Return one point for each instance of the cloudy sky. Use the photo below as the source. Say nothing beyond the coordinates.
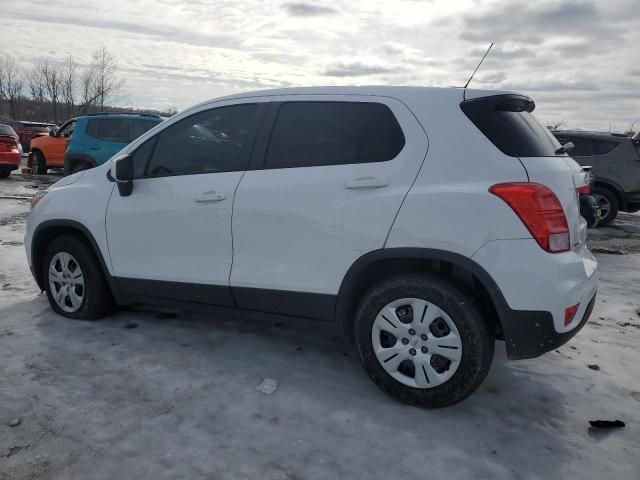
(579, 59)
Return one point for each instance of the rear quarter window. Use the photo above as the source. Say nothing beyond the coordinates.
(507, 121)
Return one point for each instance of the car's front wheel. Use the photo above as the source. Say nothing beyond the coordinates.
(423, 341)
(75, 283)
(39, 163)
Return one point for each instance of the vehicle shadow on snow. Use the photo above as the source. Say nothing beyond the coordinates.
(139, 363)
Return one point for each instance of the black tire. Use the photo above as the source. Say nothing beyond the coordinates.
(4, 173)
(39, 165)
(614, 205)
(97, 299)
(477, 340)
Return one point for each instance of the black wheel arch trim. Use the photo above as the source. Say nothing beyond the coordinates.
(510, 320)
(614, 188)
(75, 157)
(37, 258)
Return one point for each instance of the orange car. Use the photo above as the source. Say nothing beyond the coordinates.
(47, 151)
(9, 151)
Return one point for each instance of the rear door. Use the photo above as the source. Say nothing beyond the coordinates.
(107, 137)
(334, 172)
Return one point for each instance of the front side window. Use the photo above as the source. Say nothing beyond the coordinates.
(67, 129)
(138, 127)
(309, 134)
(216, 140)
(141, 156)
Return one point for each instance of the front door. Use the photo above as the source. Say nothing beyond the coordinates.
(171, 237)
(58, 145)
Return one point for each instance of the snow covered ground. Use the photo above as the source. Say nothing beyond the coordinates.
(146, 395)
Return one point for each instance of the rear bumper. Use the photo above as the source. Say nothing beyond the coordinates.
(9, 159)
(530, 334)
(537, 288)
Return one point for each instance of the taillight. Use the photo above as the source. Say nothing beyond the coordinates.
(586, 190)
(8, 140)
(540, 211)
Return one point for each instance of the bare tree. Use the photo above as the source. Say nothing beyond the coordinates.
(169, 112)
(107, 83)
(555, 125)
(52, 77)
(100, 81)
(11, 83)
(69, 80)
(35, 85)
(87, 93)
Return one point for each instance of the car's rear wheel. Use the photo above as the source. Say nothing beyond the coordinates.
(423, 341)
(39, 163)
(608, 203)
(74, 281)
(5, 172)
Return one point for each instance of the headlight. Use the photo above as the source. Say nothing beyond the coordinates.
(37, 197)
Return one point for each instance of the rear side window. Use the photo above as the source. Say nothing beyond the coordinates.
(507, 121)
(216, 140)
(109, 129)
(309, 134)
(588, 147)
(604, 147)
(138, 127)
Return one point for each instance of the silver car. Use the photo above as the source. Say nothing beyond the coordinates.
(615, 159)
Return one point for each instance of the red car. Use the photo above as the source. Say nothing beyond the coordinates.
(10, 151)
(28, 130)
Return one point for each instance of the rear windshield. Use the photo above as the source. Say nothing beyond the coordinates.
(7, 130)
(507, 121)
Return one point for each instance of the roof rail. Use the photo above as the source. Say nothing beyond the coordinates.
(153, 115)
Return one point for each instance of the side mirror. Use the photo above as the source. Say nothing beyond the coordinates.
(122, 174)
(53, 133)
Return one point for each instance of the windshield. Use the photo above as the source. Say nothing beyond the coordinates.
(7, 130)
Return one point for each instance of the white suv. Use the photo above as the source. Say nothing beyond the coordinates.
(425, 222)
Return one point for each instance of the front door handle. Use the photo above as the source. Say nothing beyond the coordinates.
(367, 182)
(95, 147)
(210, 197)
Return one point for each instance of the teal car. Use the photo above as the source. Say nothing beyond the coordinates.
(98, 137)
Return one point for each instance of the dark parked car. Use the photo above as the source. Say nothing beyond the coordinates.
(27, 130)
(615, 159)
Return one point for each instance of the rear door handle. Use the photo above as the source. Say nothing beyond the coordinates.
(367, 182)
(210, 197)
